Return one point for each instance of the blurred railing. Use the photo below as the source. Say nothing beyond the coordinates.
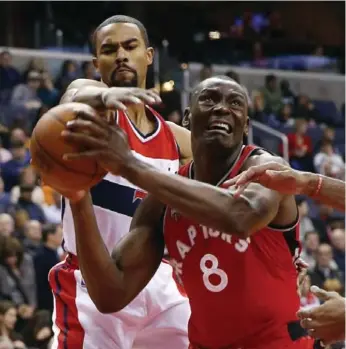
(268, 138)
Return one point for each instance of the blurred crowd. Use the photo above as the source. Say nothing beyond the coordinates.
(30, 212)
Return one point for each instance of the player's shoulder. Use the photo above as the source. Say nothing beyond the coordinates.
(262, 156)
(183, 139)
(78, 83)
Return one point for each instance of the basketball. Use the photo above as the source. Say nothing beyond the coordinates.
(47, 148)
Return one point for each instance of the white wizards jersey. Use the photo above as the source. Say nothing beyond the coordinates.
(114, 198)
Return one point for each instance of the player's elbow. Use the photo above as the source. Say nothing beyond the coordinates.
(247, 217)
(108, 306)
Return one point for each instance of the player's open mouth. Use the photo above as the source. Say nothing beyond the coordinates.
(220, 126)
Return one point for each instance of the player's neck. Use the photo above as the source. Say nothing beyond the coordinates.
(139, 117)
(211, 169)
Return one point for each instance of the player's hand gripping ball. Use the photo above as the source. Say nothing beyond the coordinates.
(47, 148)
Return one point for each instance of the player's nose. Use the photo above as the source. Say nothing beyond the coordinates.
(221, 109)
(122, 56)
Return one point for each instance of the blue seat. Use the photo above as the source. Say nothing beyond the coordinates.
(329, 112)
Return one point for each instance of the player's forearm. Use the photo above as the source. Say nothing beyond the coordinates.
(100, 274)
(332, 192)
(204, 203)
(91, 95)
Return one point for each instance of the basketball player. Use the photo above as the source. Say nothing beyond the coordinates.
(326, 190)
(327, 321)
(234, 256)
(157, 318)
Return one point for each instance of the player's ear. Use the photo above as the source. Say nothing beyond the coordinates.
(150, 55)
(95, 63)
(186, 118)
(247, 124)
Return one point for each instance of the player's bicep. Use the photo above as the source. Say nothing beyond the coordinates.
(183, 139)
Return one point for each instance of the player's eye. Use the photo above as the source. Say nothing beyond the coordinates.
(206, 98)
(236, 103)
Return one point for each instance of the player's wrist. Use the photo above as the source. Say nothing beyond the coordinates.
(309, 183)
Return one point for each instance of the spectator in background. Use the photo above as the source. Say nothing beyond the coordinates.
(9, 77)
(5, 200)
(328, 136)
(38, 332)
(32, 236)
(326, 275)
(206, 72)
(18, 135)
(272, 95)
(9, 339)
(26, 94)
(28, 177)
(68, 73)
(47, 93)
(300, 147)
(310, 246)
(25, 203)
(45, 258)
(17, 277)
(306, 224)
(20, 218)
(257, 109)
(6, 225)
(305, 109)
(5, 154)
(307, 298)
(11, 170)
(285, 115)
(288, 96)
(88, 71)
(36, 64)
(337, 239)
(328, 163)
(53, 212)
(233, 75)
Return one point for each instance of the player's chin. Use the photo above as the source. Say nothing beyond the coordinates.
(224, 138)
(124, 83)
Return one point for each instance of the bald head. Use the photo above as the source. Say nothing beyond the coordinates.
(337, 239)
(33, 230)
(6, 224)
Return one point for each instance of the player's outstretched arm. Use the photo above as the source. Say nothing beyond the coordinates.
(272, 175)
(211, 206)
(113, 281)
(100, 96)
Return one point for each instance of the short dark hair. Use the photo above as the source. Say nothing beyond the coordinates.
(119, 19)
(48, 229)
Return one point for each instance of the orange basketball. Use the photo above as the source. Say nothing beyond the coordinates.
(48, 147)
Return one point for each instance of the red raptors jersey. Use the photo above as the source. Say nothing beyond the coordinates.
(243, 293)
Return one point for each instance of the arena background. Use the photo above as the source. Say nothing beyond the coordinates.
(290, 56)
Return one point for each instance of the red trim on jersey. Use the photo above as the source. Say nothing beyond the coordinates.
(63, 283)
(160, 144)
(245, 153)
